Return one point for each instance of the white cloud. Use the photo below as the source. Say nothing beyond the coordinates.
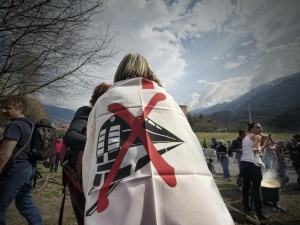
(283, 60)
(157, 30)
(201, 81)
(219, 92)
(141, 28)
(195, 101)
(206, 16)
(266, 22)
(242, 58)
(247, 43)
(231, 65)
(257, 38)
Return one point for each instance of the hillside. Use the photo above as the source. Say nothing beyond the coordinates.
(275, 103)
(59, 114)
(275, 99)
(263, 91)
(289, 119)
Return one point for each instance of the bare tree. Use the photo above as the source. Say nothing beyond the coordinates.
(46, 45)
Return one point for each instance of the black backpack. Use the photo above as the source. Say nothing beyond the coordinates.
(43, 139)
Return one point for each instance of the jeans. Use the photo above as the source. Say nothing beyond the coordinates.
(225, 163)
(54, 161)
(16, 183)
(252, 177)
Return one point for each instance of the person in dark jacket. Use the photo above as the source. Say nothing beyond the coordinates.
(294, 149)
(237, 147)
(75, 138)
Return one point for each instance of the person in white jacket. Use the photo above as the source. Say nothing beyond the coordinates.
(142, 163)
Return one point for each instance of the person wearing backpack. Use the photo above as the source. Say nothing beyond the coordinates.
(17, 168)
(73, 144)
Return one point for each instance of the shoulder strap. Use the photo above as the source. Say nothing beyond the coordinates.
(20, 150)
(24, 146)
(253, 137)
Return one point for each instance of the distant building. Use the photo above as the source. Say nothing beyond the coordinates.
(184, 109)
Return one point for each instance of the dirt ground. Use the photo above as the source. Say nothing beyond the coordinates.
(288, 212)
(48, 197)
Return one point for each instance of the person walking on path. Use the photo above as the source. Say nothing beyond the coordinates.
(224, 160)
(17, 170)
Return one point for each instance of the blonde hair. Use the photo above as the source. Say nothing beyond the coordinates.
(135, 65)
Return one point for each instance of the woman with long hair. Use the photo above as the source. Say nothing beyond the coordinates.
(251, 168)
(142, 162)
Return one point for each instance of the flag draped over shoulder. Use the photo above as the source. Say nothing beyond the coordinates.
(143, 164)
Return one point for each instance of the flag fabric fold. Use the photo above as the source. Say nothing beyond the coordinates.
(143, 164)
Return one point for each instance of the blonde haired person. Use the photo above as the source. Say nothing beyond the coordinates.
(142, 162)
(134, 65)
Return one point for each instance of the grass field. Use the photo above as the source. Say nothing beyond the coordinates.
(229, 136)
(48, 195)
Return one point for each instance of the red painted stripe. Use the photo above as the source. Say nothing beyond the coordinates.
(147, 84)
(165, 170)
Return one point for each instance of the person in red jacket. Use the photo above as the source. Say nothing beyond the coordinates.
(54, 159)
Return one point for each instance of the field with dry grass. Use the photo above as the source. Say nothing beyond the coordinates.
(48, 196)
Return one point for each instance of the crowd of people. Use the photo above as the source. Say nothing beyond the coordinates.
(253, 151)
(257, 154)
(133, 160)
(140, 158)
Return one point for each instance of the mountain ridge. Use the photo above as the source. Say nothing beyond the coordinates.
(274, 103)
(59, 114)
(266, 101)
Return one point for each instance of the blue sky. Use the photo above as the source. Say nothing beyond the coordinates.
(206, 52)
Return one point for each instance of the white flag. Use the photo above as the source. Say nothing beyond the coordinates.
(143, 164)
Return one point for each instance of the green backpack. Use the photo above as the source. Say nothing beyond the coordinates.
(43, 139)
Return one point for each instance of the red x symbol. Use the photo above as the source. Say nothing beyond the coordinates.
(165, 171)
